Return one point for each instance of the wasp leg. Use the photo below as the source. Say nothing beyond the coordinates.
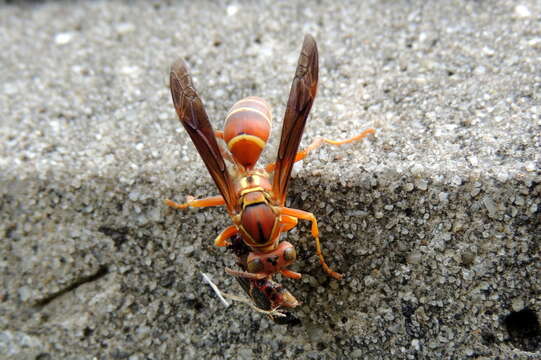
(318, 142)
(245, 274)
(304, 215)
(288, 223)
(191, 202)
(221, 240)
(290, 274)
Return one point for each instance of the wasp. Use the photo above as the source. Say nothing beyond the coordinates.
(255, 198)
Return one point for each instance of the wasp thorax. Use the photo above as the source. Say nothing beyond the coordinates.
(257, 223)
(247, 129)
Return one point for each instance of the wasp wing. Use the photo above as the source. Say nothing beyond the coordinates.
(193, 117)
(301, 97)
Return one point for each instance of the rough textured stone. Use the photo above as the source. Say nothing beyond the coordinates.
(435, 221)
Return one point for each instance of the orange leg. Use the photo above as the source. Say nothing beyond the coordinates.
(191, 202)
(290, 274)
(304, 215)
(221, 240)
(288, 223)
(247, 275)
(259, 276)
(319, 141)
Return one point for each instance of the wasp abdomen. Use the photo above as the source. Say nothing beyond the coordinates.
(247, 129)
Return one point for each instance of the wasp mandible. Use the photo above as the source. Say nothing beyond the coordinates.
(255, 199)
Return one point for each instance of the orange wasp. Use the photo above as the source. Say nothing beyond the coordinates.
(254, 199)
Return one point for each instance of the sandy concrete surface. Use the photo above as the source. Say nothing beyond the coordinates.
(435, 220)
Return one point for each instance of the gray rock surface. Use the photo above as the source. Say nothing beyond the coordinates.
(435, 221)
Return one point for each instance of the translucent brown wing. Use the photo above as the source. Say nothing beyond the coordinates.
(301, 97)
(193, 117)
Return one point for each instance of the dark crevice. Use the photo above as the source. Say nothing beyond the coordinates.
(524, 330)
(118, 235)
(102, 271)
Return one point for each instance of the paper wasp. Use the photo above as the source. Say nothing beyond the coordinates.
(255, 199)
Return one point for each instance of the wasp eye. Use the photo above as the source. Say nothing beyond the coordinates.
(290, 254)
(255, 265)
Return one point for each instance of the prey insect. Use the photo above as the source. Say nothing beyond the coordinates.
(255, 197)
(266, 295)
